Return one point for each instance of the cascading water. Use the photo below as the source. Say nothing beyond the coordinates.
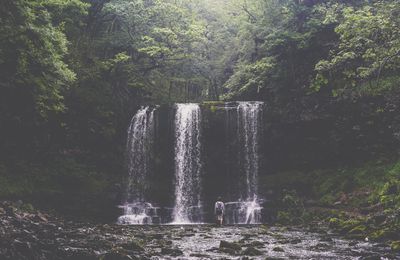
(249, 121)
(187, 207)
(139, 150)
(234, 172)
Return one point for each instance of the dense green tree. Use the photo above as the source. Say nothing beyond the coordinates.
(367, 58)
(33, 48)
(34, 74)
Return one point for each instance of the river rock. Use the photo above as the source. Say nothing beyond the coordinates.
(116, 256)
(133, 246)
(78, 253)
(320, 246)
(395, 246)
(230, 245)
(278, 249)
(295, 241)
(257, 244)
(326, 239)
(229, 251)
(171, 251)
(371, 257)
(251, 251)
(40, 218)
(202, 256)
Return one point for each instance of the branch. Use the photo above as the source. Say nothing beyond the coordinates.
(252, 17)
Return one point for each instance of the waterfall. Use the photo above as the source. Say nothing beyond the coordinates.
(249, 124)
(187, 164)
(249, 115)
(246, 209)
(171, 176)
(139, 150)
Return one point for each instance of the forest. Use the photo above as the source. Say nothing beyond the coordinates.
(73, 73)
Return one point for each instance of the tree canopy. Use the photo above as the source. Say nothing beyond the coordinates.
(78, 68)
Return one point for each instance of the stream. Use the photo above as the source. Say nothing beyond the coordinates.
(37, 236)
(261, 242)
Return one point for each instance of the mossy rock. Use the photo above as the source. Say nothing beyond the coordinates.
(395, 246)
(229, 251)
(257, 244)
(346, 226)
(284, 217)
(230, 245)
(116, 253)
(212, 105)
(251, 251)
(335, 223)
(358, 230)
(133, 246)
(27, 207)
(384, 234)
(278, 249)
(171, 251)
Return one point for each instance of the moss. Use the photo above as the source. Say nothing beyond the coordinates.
(334, 223)
(384, 234)
(215, 103)
(360, 229)
(212, 106)
(134, 245)
(27, 207)
(283, 217)
(349, 224)
(395, 246)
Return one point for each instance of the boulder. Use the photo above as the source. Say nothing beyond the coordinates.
(229, 251)
(251, 251)
(171, 251)
(278, 249)
(133, 246)
(230, 245)
(395, 246)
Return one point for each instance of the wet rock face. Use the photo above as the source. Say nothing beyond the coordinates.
(34, 235)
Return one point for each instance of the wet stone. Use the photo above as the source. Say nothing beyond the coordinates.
(326, 239)
(229, 251)
(371, 257)
(320, 246)
(117, 256)
(251, 251)
(278, 249)
(133, 246)
(257, 244)
(200, 255)
(230, 245)
(213, 249)
(171, 251)
(295, 241)
(353, 243)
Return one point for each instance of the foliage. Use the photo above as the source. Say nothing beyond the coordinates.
(33, 48)
(368, 51)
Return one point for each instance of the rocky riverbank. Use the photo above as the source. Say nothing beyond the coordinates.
(29, 234)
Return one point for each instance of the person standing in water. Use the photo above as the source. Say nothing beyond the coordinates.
(219, 211)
